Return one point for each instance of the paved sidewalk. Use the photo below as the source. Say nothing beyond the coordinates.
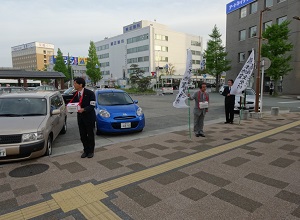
(247, 171)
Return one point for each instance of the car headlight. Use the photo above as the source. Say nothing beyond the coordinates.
(34, 136)
(139, 111)
(104, 114)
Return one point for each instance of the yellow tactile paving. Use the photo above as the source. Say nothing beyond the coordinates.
(86, 198)
(97, 210)
(76, 197)
(131, 178)
(17, 215)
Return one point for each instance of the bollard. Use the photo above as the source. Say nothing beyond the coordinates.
(274, 111)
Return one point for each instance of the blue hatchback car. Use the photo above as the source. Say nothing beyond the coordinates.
(116, 112)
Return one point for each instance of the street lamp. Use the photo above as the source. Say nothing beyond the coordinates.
(258, 59)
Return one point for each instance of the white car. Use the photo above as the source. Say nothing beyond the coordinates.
(167, 88)
(250, 100)
(191, 86)
(222, 89)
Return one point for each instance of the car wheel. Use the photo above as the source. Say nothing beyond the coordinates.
(64, 128)
(49, 146)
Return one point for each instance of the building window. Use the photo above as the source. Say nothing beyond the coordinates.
(253, 8)
(138, 49)
(267, 24)
(161, 48)
(282, 19)
(269, 3)
(161, 37)
(253, 31)
(243, 12)
(195, 43)
(137, 39)
(242, 57)
(242, 34)
(195, 52)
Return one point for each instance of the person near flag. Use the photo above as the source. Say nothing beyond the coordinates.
(229, 102)
(201, 98)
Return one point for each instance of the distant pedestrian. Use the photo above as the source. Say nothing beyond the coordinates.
(86, 116)
(229, 102)
(271, 89)
(201, 98)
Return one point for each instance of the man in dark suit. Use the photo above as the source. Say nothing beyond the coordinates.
(229, 103)
(86, 116)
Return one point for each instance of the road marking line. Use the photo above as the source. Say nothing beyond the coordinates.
(291, 102)
(86, 198)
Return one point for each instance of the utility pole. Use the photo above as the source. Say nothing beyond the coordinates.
(257, 90)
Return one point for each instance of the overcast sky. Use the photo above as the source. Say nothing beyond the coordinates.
(71, 24)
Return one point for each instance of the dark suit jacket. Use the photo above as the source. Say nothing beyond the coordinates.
(228, 99)
(88, 103)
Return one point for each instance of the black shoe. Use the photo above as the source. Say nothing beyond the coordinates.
(84, 155)
(202, 135)
(231, 122)
(197, 135)
(90, 155)
(226, 122)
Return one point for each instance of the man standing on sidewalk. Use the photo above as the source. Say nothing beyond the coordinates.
(201, 98)
(229, 102)
(86, 116)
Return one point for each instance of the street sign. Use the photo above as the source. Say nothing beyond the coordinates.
(204, 76)
(267, 62)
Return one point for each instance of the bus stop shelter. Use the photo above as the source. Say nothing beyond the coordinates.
(10, 73)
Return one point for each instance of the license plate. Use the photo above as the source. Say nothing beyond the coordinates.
(2, 152)
(126, 125)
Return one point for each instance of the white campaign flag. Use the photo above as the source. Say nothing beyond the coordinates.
(241, 81)
(181, 96)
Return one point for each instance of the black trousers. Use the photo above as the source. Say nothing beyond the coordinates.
(87, 136)
(229, 111)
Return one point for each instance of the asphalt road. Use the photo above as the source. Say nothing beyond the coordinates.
(162, 117)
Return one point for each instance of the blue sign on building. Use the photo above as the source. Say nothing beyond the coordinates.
(234, 5)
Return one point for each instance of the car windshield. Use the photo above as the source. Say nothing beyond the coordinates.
(16, 107)
(168, 85)
(11, 90)
(69, 90)
(249, 92)
(114, 98)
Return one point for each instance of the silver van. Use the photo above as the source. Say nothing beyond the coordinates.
(29, 123)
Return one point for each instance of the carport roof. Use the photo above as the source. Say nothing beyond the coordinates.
(19, 73)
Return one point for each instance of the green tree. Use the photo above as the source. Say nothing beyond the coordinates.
(170, 69)
(60, 64)
(215, 55)
(276, 50)
(138, 79)
(93, 65)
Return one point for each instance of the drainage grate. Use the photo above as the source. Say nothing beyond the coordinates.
(29, 170)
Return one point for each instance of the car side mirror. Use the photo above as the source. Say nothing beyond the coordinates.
(135, 101)
(55, 112)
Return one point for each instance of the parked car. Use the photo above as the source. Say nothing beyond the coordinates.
(11, 89)
(116, 112)
(222, 89)
(29, 123)
(250, 100)
(69, 93)
(45, 88)
(191, 86)
(167, 88)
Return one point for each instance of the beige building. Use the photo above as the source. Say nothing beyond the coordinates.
(31, 56)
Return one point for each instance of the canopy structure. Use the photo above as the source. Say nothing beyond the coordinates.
(11, 73)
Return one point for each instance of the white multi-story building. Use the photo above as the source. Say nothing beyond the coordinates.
(150, 45)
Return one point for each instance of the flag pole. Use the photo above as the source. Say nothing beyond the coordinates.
(189, 104)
